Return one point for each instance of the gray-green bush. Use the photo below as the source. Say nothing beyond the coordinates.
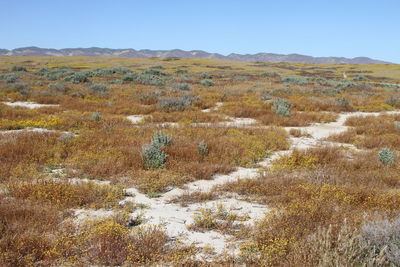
(386, 156)
(282, 107)
(203, 148)
(160, 139)
(153, 156)
(207, 83)
(96, 116)
(57, 87)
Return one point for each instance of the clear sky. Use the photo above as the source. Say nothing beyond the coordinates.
(346, 28)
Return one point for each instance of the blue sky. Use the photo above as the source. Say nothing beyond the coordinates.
(319, 28)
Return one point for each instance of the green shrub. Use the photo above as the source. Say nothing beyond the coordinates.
(57, 87)
(386, 156)
(203, 148)
(18, 68)
(182, 86)
(96, 116)
(99, 88)
(129, 77)
(160, 139)
(19, 86)
(360, 78)
(342, 102)
(147, 78)
(9, 77)
(180, 71)
(270, 74)
(295, 80)
(78, 77)
(176, 103)
(154, 72)
(282, 107)
(206, 76)
(153, 156)
(207, 83)
(343, 84)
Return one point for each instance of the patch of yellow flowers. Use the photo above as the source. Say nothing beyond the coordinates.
(48, 123)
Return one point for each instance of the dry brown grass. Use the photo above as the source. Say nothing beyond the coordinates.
(371, 132)
(334, 189)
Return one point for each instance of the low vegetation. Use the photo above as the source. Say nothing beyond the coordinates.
(330, 205)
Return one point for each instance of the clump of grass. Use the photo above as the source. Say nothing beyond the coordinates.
(195, 197)
(218, 219)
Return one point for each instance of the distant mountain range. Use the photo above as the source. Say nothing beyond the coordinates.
(145, 53)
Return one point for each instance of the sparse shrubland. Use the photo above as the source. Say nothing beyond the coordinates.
(330, 205)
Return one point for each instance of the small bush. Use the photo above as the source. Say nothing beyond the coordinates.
(203, 148)
(206, 76)
(343, 102)
(53, 75)
(160, 139)
(153, 156)
(207, 83)
(129, 77)
(152, 71)
(9, 77)
(151, 79)
(99, 88)
(343, 84)
(19, 86)
(180, 71)
(57, 87)
(270, 74)
(18, 68)
(96, 116)
(360, 78)
(282, 107)
(176, 104)
(295, 80)
(386, 156)
(182, 86)
(78, 77)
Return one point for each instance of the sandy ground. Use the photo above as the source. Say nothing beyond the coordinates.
(30, 105)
